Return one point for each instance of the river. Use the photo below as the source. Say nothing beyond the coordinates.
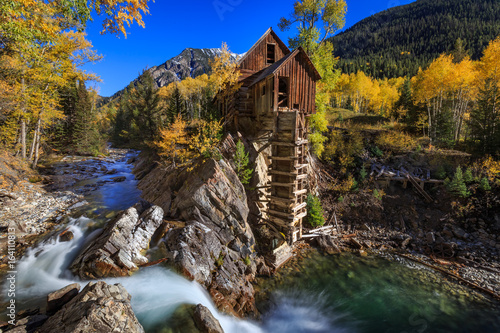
(344, 293)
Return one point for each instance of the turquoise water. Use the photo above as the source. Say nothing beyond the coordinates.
(349, 293)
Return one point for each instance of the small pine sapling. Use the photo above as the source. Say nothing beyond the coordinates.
(468, 178)
(241, 164)
(363, 173)
(485, 184)
(314, 211)
(457, 185)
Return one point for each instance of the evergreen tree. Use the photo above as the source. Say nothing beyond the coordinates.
(241, 163)
(314, 211)
(85, 134)
(485, 184)
(176, 106)
(459, 53)
(457, 185)
(484, 124)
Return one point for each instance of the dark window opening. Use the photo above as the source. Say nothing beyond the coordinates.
(263, 90)
(271, 58)
(283, 92)
(296, 106)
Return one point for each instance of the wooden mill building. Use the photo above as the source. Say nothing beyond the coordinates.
(277, 95)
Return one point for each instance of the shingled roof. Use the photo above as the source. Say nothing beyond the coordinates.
(271, 70)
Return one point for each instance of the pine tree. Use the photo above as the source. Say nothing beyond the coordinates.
(484, 124)
(176, 106)
(241, 163)
(85, 134)
(142, 112)
(314, 211)
(457, 185)
(485, 184)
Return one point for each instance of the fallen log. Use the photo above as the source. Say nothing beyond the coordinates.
(453, 275)
(154, 263)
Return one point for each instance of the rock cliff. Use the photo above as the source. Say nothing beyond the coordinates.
(216, 247)
(117, 251)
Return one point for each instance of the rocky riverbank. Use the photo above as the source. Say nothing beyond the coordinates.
(465, 247)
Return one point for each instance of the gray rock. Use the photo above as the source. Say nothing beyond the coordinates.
(205, 321)
(117, 251)
(119, 179)
(459, 233)
(430, 237)
(98, 308)
(213, 246)
(58, 298)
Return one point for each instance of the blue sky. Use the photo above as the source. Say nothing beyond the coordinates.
(173, 26)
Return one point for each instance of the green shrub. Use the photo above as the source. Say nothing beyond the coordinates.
(457, 185)
(378, 194)
(314, 211)
(485, 184)
(377, 152)
(247, 261)
(241, 162)
(468, 178)
(363, 173)
(441, 172)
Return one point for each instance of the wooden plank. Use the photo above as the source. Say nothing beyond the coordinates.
(291, 201)
(287, 216)
(300, 192)
(283, 184)
(299, 207)
(290, 144)
(283, 173)
(301, 166)
(283, 158)
(300, 177)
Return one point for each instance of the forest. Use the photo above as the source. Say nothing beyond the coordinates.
(396, 42)
(450, 95)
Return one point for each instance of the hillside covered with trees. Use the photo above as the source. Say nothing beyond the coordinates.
(397, 41)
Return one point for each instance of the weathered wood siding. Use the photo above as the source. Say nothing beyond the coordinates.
(302, 87)
(256, 59)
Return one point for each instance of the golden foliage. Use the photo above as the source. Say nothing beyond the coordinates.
(491, 168)
(173, 143)
(396, 141)
(343, 149)
(207, 139)
(367, 94)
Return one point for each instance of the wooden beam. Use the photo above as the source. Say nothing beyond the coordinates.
(280, 158)
(299, 207)
(285, 200)
(300, 192)
(284, 173)
(284, 215)
(283, 184)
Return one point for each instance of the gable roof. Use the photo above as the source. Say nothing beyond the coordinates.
(269, 31)
(271, 70)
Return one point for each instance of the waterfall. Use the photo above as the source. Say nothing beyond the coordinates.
(156, 291)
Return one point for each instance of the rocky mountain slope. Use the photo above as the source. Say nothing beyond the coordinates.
(397, 41)
(189, 63)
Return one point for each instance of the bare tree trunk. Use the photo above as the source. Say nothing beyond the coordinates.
(23, 138)
(37, 147)
(33, 143)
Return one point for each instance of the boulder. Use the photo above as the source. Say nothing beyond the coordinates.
(119, 179)
(58, 298)
(217, 240)
(118, 250)
(98, 308)
(205, 321)
(66, 235)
